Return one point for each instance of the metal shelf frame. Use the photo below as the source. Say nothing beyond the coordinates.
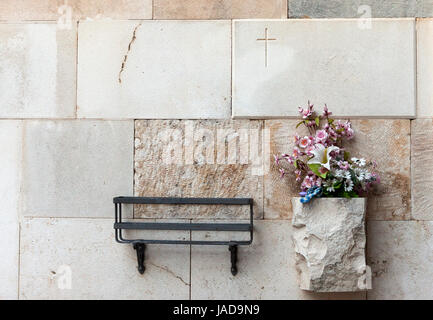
(140, 244)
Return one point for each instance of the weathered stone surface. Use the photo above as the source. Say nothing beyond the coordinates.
(38, 73)
(100, 268)
(424, 68)
(400, 256)
(10, 148)
(422, 169)
(272, 81)
(219, 9)
(154, 69)
(385, 141)
(198, 159)
(388, 143)
(265, 268)
(329, 241)
(15, 10)
(74, 168)
(359, 8)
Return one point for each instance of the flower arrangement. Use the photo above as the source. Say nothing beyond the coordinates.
(322, 165)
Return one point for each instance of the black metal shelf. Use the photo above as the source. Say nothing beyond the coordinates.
(140, 244)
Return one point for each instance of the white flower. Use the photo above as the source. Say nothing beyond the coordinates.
(362, 162)
(321, 155)
(348, 185)
(330, 189)
(339, 173)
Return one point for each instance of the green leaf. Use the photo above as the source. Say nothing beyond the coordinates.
(317, 121)
(330, 121)
(300, 123)
(295, 163)
(315, 168)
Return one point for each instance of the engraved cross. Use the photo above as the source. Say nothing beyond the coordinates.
(266, 39)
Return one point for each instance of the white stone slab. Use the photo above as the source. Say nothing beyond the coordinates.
(154, 69)
(266, 269)
(74, 168)
(424, 60)
(99, 268)
(400, 255)
(10, 149)
(38, 70)
(357, 72)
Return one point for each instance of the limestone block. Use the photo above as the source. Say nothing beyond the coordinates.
(10, 164)
(360, 8)
(74, 168)
(400, 256)
(206, 158)
(266, 268)
(16, 10)
(329, 240)
(422, 169)
(154, 69)
(38, 70)
(79, 259)
(219, 9)
(338, 62)
(424, 42)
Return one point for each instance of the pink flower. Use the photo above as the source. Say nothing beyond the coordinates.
(326, 112)
(304, 142)
(321, 136)
(343, 165)
(307, 112)
(323, 170)
(309, 150)
(296, 152)
(282, 173)
(297, 137)
(277, 160)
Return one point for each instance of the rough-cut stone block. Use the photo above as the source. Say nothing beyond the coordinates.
(422, 169)
(219, 9)
(388, 143)
(206, 158)
(359, 8)
(154, 69)
(337, 62)
(10, 163)
(74, 168)
(99, 268)
(385, 141)
(424, 68)
(17, 10)
(329, 241)
(38, 70)
(266, 269)
(400, 257)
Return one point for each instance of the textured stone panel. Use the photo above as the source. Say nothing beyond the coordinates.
(154, 69)
(400, 257)
(38, 70)
(266, 269)
(99, 267)
(219, 9)
(355, 9)
(15, 10)
(329, 240)
(385, 141)
(74, 168)
(422, 169)
(424, 68)
(325, 61)
(197, 159)
(10, 148)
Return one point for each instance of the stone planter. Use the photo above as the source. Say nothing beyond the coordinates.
(329, 241)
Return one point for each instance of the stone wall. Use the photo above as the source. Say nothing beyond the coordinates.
(175, 98)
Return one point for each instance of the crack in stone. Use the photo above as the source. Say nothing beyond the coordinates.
(125, 58)
(170, 272)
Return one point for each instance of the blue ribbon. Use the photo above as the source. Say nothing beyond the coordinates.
(312, 192)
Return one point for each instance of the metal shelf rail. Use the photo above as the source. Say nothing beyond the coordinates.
(140, 244)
